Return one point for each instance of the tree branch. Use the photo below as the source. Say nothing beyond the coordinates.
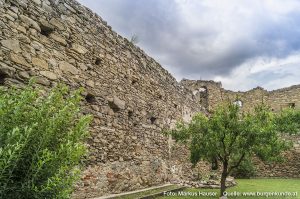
(238, 163)
(224, 147)
(221, 158)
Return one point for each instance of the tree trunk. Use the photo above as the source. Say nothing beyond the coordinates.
(223, 178)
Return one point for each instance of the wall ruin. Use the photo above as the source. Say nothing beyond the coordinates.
(131, 97)
(277, 100)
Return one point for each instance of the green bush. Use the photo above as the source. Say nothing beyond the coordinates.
(246, 170)
(41, 142)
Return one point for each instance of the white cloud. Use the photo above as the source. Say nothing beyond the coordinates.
(270, 73)
(244, 43)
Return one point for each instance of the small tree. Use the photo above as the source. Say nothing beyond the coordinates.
(41, 142)
(232, 137)
(134, 39)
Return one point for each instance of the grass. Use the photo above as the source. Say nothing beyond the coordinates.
(249, 185)
(149, 192)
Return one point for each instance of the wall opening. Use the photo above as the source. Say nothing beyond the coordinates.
(292, 105)
(152, 119)
(203, 94)
(203, 89)
(46, 31)
(130, 114)
(238, 103)
(98, 61)
(90, 98)
(3, 76)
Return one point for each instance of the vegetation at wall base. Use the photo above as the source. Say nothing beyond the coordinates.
(41, 142)
(233, 137)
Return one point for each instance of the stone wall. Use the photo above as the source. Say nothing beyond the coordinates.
(207, 93)
(131, 97)
(289, 168)
(276, 99)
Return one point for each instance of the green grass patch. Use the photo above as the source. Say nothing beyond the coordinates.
(251, 186)
(149, 192)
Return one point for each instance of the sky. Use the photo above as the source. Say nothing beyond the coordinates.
(243, 44)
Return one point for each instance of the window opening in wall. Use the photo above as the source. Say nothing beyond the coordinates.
(152, 119)
(130, 114)
(98, 61)
(3, 76)
(90, 98)
(46, 31)
(238, 103)
(291, 105)
(203, 89)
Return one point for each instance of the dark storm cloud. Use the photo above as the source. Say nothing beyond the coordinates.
(203, 38)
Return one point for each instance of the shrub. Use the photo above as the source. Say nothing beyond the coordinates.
(41, 142)
(246, 170)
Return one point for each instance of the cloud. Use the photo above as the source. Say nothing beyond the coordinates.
(273, 73)
(211, 39)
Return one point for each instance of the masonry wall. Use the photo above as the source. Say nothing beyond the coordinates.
(277, 100)
(206, 93)
(131, 97)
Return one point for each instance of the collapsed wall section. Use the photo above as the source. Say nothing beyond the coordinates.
(131, 97)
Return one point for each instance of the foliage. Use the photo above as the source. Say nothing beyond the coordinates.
(288, 121)
(41, 142)
(134, 39)
(232, 136)
(246, 169)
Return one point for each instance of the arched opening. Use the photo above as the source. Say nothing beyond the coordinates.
(238, 103)
(203, 93)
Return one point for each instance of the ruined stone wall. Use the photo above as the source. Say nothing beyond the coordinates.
(131, 97)
(276, 99)
(207, 93)
(289, 168)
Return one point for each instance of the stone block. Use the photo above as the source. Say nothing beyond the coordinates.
(79, 49)
(30, 22)
(19, 59)
(49, 75)
(11, 44)
(67, 67)
(40, 63)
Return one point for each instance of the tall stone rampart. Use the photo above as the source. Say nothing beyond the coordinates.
(131, 97)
